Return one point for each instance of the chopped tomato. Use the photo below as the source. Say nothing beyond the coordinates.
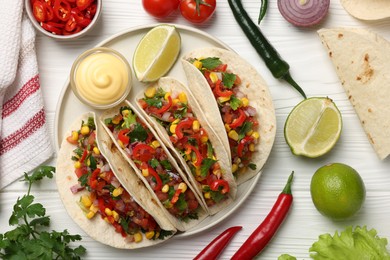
(143, 152)
(122, 136)
(242, 144)
(93, 182)
(80, 171)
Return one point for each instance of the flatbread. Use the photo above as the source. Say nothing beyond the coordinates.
(362, 62)
(252, 85)
(367, 9)
(97, 228)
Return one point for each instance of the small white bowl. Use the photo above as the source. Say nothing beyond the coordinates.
(38, 27)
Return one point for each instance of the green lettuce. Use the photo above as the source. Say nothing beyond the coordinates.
(352, 243)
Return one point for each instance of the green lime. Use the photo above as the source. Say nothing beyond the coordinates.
(337, 190)
(313, 127)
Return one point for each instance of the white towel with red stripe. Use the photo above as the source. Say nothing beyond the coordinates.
(24, 137)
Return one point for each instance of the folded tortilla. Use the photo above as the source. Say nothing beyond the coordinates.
(97, 228)
(367, 9)
(362, 62)
(252, 85)
(175, 87)
(181, 225)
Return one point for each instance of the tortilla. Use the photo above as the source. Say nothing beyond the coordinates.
(252, 85)
(97, 228)
(181, 225)
(175, 87)
(367, 9)
(362, 62)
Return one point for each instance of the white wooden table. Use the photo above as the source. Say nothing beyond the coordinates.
(310, 66)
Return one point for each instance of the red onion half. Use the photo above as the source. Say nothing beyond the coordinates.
(303, 13)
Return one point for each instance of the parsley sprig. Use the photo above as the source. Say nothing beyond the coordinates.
(30, 239)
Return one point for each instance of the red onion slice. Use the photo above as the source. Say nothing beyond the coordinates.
(303, 13)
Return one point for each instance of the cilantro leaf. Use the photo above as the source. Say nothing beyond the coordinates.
(210, 63)
(154, 163)
(234, 102)
(206, 165)
(252, 166)
(138, 134)
(228, 79)
(166, 164)
(246, 127)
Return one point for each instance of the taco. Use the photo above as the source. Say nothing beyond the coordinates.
(236, 101)
(103, 197)
(147, 155)
(171, 108)
(361, 60)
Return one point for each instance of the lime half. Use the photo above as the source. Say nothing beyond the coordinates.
(156, 53)
(313, 127)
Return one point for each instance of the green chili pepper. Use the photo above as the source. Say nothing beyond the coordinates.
(263, 10)
(278, 67)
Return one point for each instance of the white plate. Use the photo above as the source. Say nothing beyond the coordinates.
(125, 42)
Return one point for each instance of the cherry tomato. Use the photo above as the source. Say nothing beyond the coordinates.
(39, 11)
(189, 10)
(160, 8)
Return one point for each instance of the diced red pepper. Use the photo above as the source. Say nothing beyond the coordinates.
(241, 145)
(143, 152)
(164, 107)
(157, 177)
(221, 93)
(175, 197)
(198, 155)
(215, 185)
(238, 121)
(81, 171)
(122, 136)
(185, 124)
(93, 181)
(84, 155)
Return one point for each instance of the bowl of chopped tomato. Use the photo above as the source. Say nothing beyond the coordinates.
(63, 19)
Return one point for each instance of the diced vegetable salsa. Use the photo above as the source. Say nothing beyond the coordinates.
(107, 197)
(237, 114)
(150, 158)
(189, 139)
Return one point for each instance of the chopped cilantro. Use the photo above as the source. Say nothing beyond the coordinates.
(211, 63)
(246, 127)
(83, 179)
(91, 123)
(92, 162)
(164, 233)
(165, 178)
(234, 102)
(157, 99)
(252, 166)
(181, 203)
(166, 164)
(181, 111)
(78, 151)
(138, 134)
(228, 79)
(206, 164)
(154, 163)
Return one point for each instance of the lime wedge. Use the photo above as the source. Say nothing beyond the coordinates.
(313, 127)
(156, 53)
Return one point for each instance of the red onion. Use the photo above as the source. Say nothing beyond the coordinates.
(165, 116)
(303, 13)
(76, 188)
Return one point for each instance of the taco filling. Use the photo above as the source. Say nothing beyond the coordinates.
(238, 116)
(140, 145)
(189, 139)
(106, 196)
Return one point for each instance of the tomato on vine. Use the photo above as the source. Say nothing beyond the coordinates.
(160, 8)
(197, 11)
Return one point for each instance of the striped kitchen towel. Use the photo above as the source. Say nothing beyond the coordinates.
(25, 141)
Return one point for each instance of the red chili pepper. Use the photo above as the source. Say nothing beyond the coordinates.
(265, 231)
(221, 93)
(242, 143)
(183, 125)
(157, 177)
(197, 154)
(175, 197)
(143, 152)
(238, 121)
(214, 186)
(164, 107)
(212, 250)
(122, 136)
(85, 153)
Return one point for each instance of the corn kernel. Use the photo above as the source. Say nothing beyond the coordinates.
(172, 128)
(150, 92)
(165, 188)
(108, 211)
(204, 139)
(77, 165)
(183, 187)
(233, 135)
(155, 144)
(198, 64)
(137, 237)
(207, 195)
(93, 208)
(106, 219)
(256, 135)
(88, 162)
(96, 150)
(249, 133)
(125, 112)
(244, 102)
(90, 214)
(252, 147)
(86, 201)
(168, 205)
(195, 126)
(75, 135)
(145, 172)
(84, 130)
(198, 172)
(175, 101)
(115, 215)
(217, 172)
(227, 127)
(168, 94)
(121, 144)
(183, 97)
(149, 235)
(176, 121)
(234, 167)
(117, 192)
(223, 99)
(213, 77)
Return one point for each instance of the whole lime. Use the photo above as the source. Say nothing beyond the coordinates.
(337, 191)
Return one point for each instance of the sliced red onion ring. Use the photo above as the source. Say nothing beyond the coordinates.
(303, 13)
